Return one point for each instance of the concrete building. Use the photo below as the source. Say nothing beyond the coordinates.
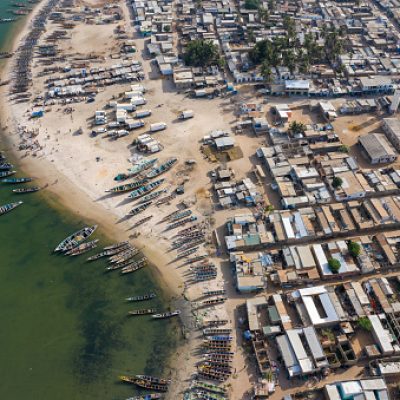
(377, 148)
(391, 127)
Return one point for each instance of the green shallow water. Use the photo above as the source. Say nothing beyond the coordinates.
(64, 330)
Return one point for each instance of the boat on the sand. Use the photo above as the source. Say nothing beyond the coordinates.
(144, 190)
(136, 169)
(140, 208)
(9, 207)
(6, 166)
(152, 196)
(76, 238)
(162, 168)
(127, 187)
(168, 314)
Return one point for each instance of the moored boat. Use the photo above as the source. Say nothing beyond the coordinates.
(6, 166)
(16, 180)
(142, 191)
(82, 248)
(144, 311)
(106, 253)
(134, 267)
(154, 379)
(140, 208)
(76, 238)
(27, 190)
(144, 384)
(168, 314)
(116, 246)
(162, 168)
(150, 396)
(4, 174)
(127, 187)
(9, 207)
(147, 296)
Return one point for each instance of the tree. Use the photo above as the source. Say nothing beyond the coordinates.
(354, 248)
(365, 323)
(297, 127)
(201, 53)
(266, 72)
(337, 182)
(334, 265)
(264, 14)
(252, 4)
(167, 28)
(344, 148)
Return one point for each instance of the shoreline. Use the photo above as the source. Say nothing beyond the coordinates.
(61, 191)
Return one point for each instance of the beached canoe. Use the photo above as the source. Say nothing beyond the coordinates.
(6, 166)
(137, 169)
(162, 168)
(9, 207)
(144, 190)
(144, 383)
(127, 187)
(140, 208)
(152, 196)
(76, 238)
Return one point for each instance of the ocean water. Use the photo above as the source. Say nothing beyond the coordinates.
(64, 329)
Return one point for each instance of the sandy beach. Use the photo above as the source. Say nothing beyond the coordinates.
(67, 163)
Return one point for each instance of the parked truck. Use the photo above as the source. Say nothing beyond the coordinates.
(159, 126)
(186, 114)
(143, 113)
(134, 123)
(138, 101)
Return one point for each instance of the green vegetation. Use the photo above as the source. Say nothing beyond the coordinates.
(337, 182)
(354, 248)
(288, 51)
(334, 265)
(365, 323)
(201, 53)
(252, 4)
(167, 28)
(344, 148)
(297, 127)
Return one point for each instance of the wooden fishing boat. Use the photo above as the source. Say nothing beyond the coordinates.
(6, 166)
(168, 314)
(27, 190)
(213, 374)
(134, 267)
(16, 180)
(127, 187)
(181, 215)
(142, 191)
(147, 296)
(209, 387)
(140, 208)
(162, 168)
(216, 331)
(120, 258)
(197, 258)
(217, 300)
(116, 246)
(106, 253)
(82, 248)
(188, 252)
(142, 221)
(114, 267)
(220, 338)
(142, 166)
(152, 196)
(76, 238)
(181, 222)
(150, 396)
(9, 207)
(166, 199)
(144, 311)
(214, 292)
(4, 174)
(154, 379)
(223, 356)
(144, 384)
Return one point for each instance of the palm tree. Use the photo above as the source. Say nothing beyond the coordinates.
(266, 72)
